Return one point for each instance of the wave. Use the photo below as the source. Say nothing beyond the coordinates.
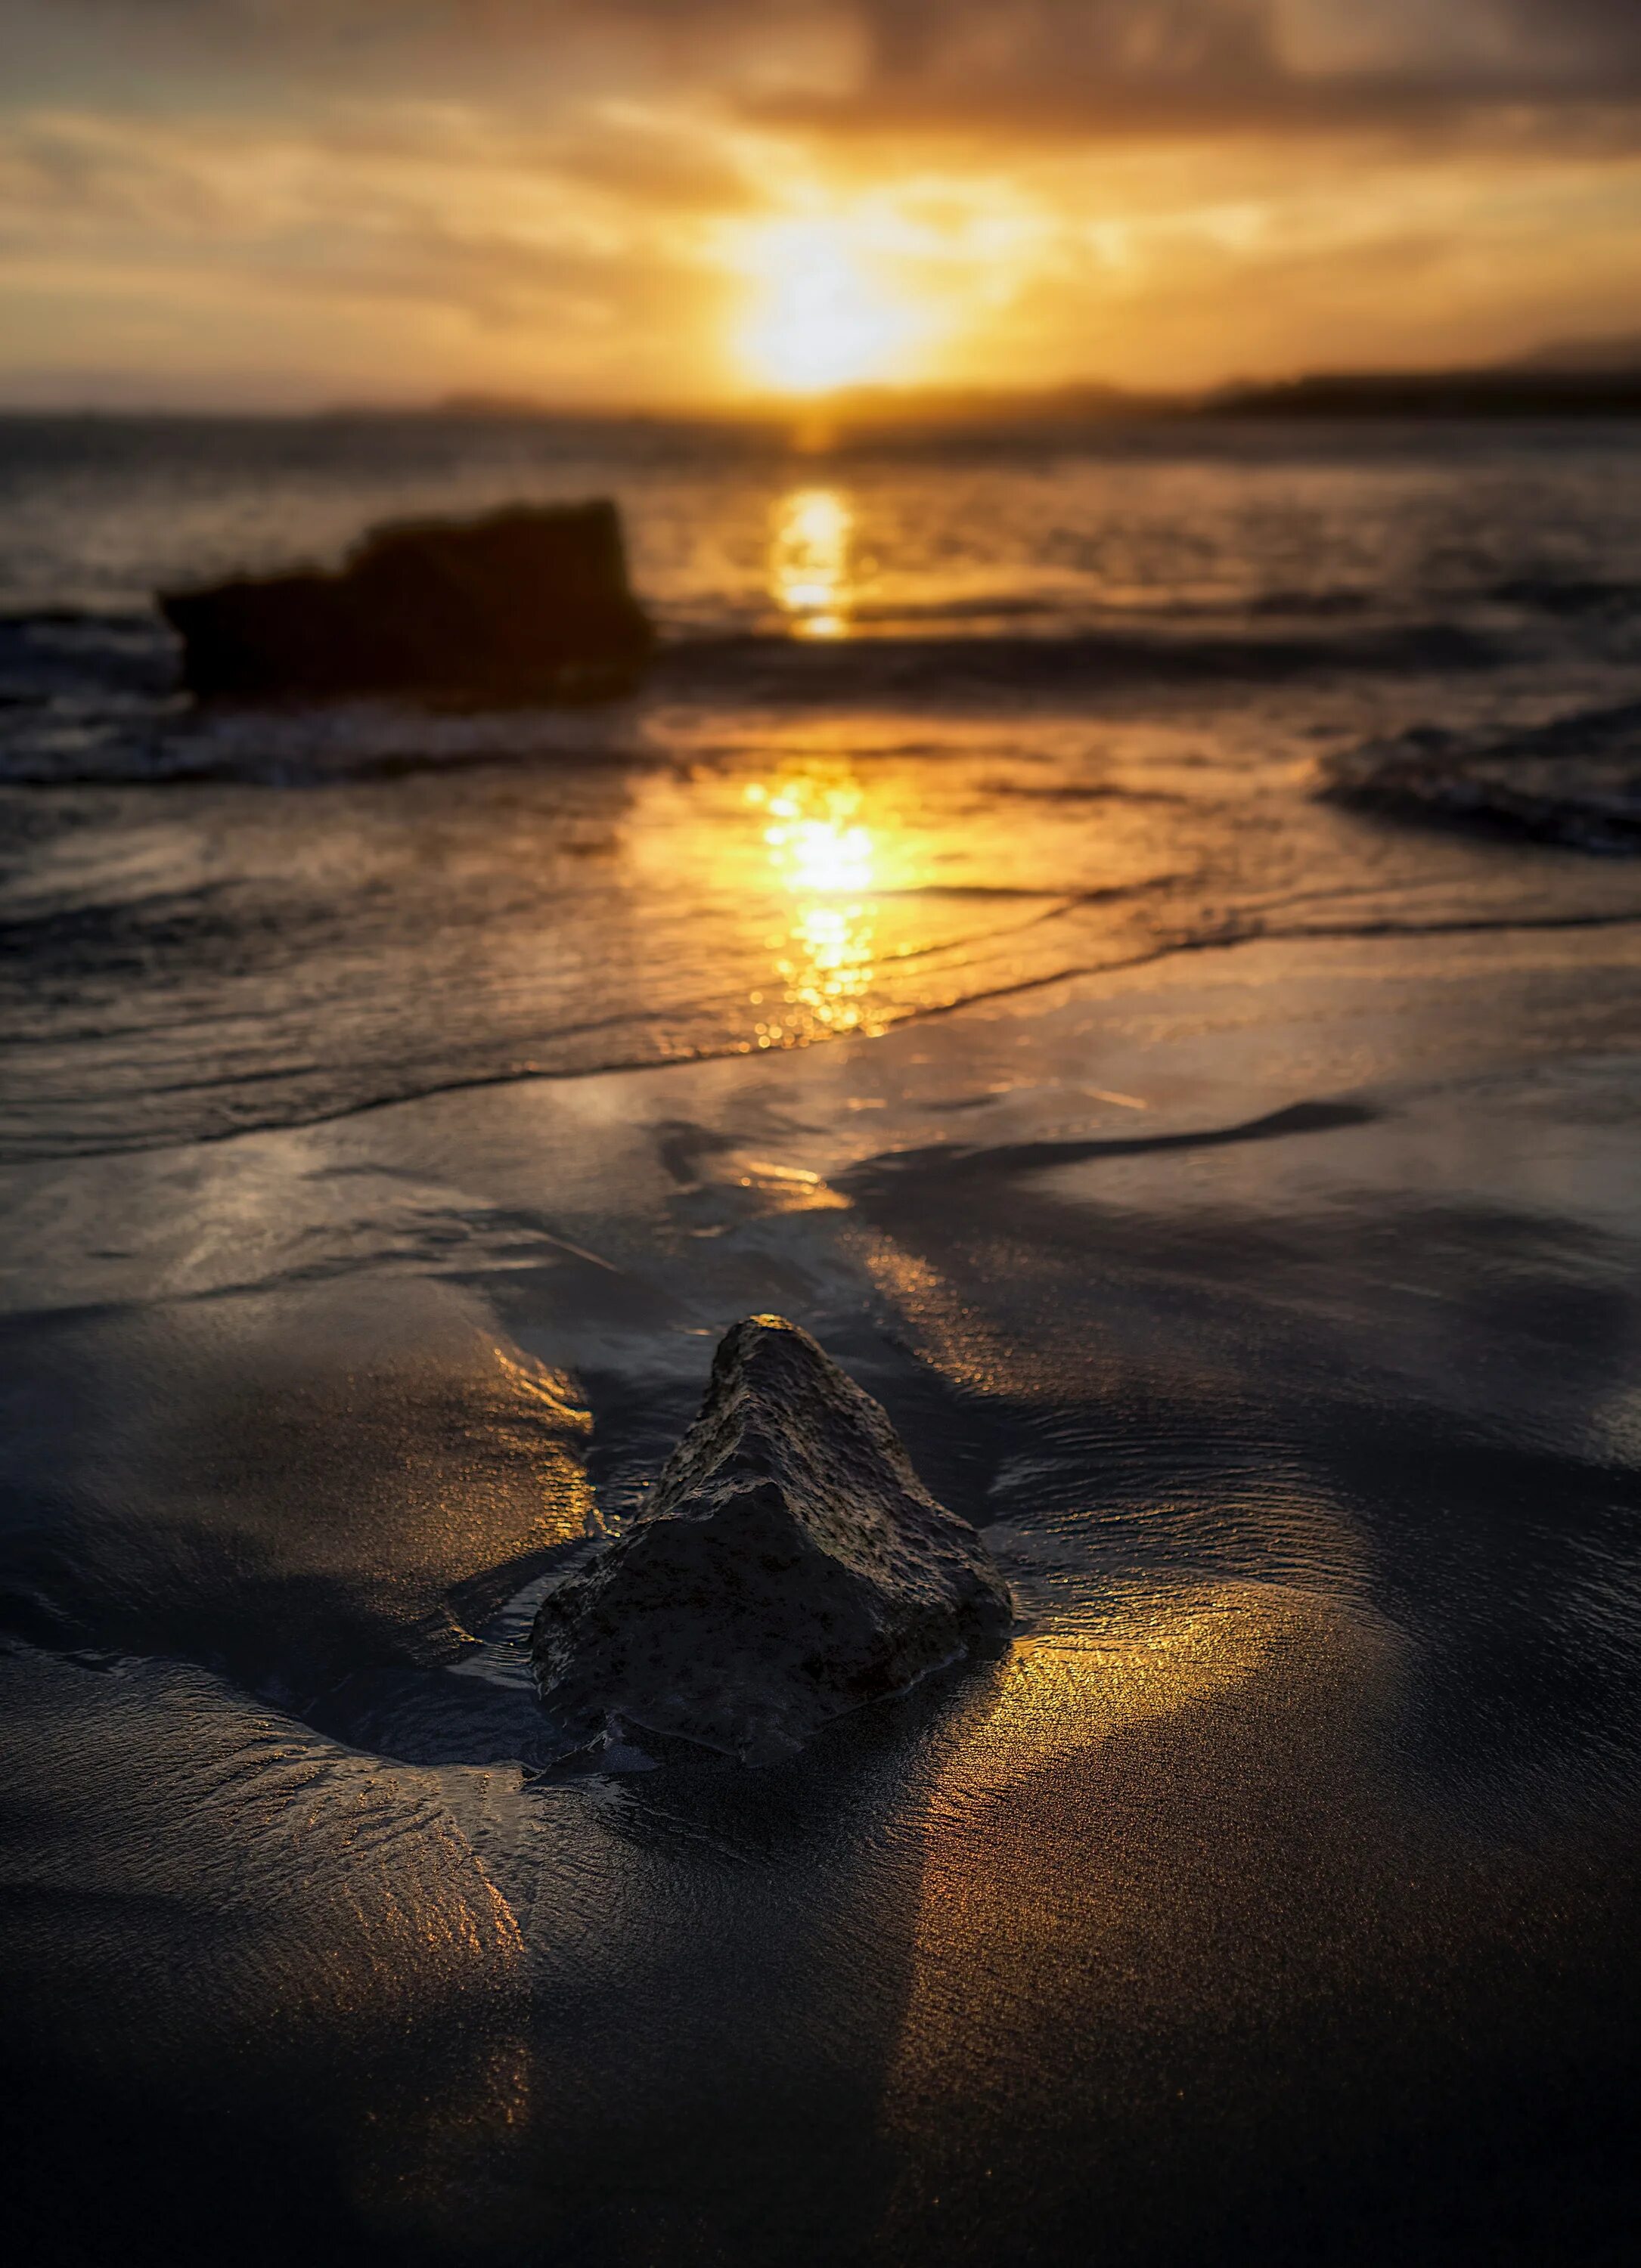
(90, 698)
(223, 1105)
(1575, 782)
(932, 667)
(70, 721)
(1569, 596)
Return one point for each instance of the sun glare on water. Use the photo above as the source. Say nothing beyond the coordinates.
(810, 573)
(823, 853)
(824, 315)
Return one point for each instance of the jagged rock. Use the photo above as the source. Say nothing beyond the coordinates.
(531, 602)
(1575, 781)
(789, 1567)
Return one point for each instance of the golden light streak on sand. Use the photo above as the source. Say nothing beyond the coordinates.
(1168, 1646)
(1106, 1856)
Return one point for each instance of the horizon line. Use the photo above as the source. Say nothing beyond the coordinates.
(1528, 376)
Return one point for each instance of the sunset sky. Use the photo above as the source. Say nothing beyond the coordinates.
(286, 202)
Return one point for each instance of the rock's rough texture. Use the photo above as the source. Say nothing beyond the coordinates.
(790, 1567)
(525, 603)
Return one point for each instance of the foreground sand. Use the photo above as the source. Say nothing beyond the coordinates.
(1276, 1309)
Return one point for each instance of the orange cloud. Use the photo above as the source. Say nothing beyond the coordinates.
(656, 199)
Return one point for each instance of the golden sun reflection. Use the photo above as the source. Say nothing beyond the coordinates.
(822, 852)
(809, 568)
(1109, 1833)
(1165, 1648)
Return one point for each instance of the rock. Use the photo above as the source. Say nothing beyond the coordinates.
(1575, 781)
(531, 602)
(789, 1567)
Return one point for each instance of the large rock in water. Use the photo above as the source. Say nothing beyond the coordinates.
(531, 602)
(789, 1567)
(1576, 780)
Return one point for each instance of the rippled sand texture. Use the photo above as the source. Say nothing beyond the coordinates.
(1274, 1899)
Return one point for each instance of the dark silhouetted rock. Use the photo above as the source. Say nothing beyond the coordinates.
(1575, 781)
(790, 1567)
(529, 603)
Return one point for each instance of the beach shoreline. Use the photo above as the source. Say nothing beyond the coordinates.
(1239, 1398)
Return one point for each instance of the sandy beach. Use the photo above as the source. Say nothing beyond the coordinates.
(1272, 1899)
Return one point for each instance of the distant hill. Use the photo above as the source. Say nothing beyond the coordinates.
(1591, 378)
(978, 406)
(1584, 357)
(1521, 392)
(505, 406)
(1546, 389)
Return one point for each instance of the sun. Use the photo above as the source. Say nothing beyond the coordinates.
(824, 313)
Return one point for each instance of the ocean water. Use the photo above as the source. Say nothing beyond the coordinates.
(931, 724)
(1231, 1195)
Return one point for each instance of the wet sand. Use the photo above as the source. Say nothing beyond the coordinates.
(1274, 1308)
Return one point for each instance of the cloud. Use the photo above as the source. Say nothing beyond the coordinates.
(1101, 67)
(1106, 69)
(559, 194)
(396, 247)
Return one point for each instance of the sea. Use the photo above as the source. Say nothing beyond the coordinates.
(959, 946)
(1130, 648)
